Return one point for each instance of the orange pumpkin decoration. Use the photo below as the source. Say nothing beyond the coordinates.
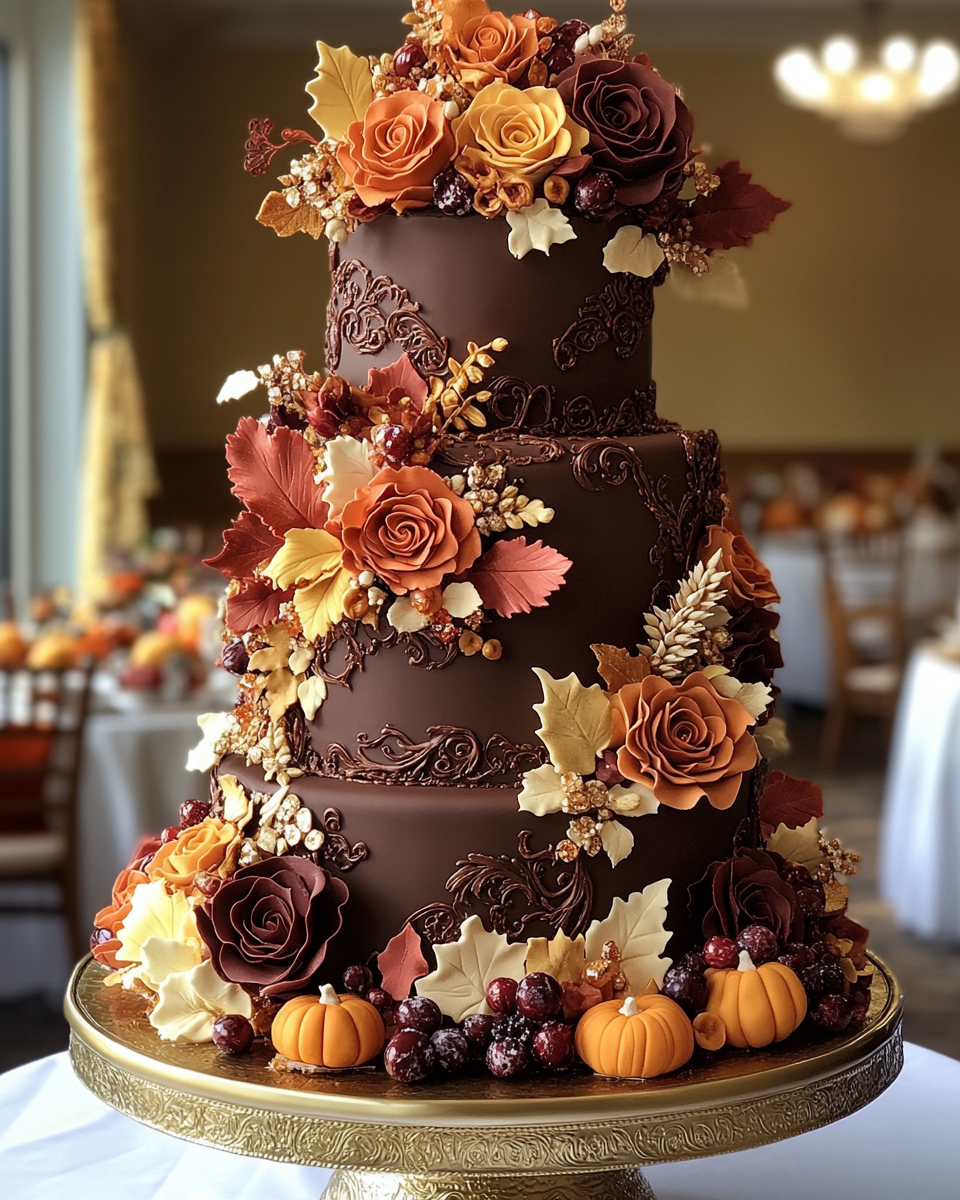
(639, 1038)
(758, 1005)
(328, 1030)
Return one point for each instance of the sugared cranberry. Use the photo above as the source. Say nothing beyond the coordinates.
(452, 194)
(502, 995)
(721, 952)
(539, 996)
(558, 58)
(796, 875)
(232, 1034)
(825, 952)
(606, 770)
(383, 1002)
(358, 979)
(419, 1012)
(507, 1058)
(410, 56)
(451, 1048)
(282, 417)
(688, 988)
(98, 937)
(234, 657)
(569, 32)
(693, 960)
(192, 812)
(810, 901)
(797, 957)
(759, 942)
(595, 194)
(515, 1027)
(208, 883)
(409, 1056)
(822, 979)
(170, 833)
(553, 1045)
(832, 1012)
(390, 443)
(478, 1030)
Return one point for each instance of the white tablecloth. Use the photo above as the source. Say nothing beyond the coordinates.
(797, 571)
(57, 1141)
(920, 830)
(133, 781)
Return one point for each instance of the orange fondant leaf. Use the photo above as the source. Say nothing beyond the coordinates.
(273, 475)
(788, 801)
(402, 963)
(247, 544)
(277, 215)
(255, 605)
(513, 577)
(734, 212)
(401, 374)
(617, 667)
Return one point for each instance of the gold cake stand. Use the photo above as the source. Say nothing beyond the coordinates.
(566, 1138)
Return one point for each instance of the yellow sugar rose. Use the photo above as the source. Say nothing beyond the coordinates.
(523, 134)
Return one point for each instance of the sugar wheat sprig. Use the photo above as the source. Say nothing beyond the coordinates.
(675, 633)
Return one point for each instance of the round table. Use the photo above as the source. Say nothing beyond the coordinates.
(920, 829)
(57, 1140)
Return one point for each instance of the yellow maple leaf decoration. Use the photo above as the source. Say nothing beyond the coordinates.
(559, 956)
(342, 91)
(320, 605)
(576, 724)
(617, 667)
(312, 559)
(285, 221)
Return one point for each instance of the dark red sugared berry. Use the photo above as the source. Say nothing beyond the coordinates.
(234, 657)
(832, 1012)
(558, 58)
(553, 1045)
(812, 899)
(208, 883)
(383, 1002)
(693, 960)
(419, 1012)
(409, 1056)
(606, 770)
(569, 32)
(796, 875)
(539, 996)
(721, 952)
(797, 957)
(822, 979)
(391, 443)
(688, 988)
(192, 812)
(358, 979)
(759, 942)
(284, 418)
(452, 194)
(595, 194)
(451, 1048)
(478, 1030)
(98, 937)
(232, 1034)
(502, 995)
(507, 1058)
(515, 1027)
(825, 952)
(169, 834)
(410, 56)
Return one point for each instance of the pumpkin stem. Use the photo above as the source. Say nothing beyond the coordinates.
(628, 1008)
(328, 995)
(746, 962)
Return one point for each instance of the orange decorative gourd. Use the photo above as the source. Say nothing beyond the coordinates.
(328, 1030)
(639, 1038)
(758, 1005)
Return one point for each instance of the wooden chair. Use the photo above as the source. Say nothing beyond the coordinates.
(863, 591)
(42, 716)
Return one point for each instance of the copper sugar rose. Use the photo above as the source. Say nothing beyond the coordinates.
(268, 927)
(747, 890)
(748, 581)
(639, 127)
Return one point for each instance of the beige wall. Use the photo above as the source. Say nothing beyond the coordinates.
(850, 341)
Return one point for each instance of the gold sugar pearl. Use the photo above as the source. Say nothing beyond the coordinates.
(492, 649)
(470, 644)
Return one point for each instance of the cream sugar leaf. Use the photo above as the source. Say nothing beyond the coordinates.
(311, 693)
(637, 927)
(755, 697)
(342, 91)
(204, 756)
(576, 722)
(541, 792)
(466, 966)
(190, 1001)
(798, 845)
(632, 251)
(617, 840)
(347, 468)
(236, 385)
(155, 913)
(537, 227)
(723, 284)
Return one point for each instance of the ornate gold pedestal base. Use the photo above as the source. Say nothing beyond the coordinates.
(627, 1184)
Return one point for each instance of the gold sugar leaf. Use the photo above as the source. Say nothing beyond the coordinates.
(559, 956)
(277, 215)
(617, 667)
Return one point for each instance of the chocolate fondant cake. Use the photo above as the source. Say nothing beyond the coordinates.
(505, 661)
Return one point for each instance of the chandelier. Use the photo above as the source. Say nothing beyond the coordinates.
(872, 94)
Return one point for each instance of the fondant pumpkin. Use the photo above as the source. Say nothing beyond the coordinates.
(328, 1030)
(641, 1037)
(758, 1005)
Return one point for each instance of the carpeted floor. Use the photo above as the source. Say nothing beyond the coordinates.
(928, 972)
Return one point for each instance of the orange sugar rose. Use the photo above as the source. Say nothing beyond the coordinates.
(202, 847)
(491, 48)
(393, 154)
(749, 579)
(114, 914)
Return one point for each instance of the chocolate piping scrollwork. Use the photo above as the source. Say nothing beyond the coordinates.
(449, 757)
(353, 643)
(704, 504)
(512, 449)
(513, 892)
(368, 312)
(619, 313)
(522, 407)
(336, 849)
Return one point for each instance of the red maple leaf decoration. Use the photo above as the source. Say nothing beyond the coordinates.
(401, 374)
(513, 577)
(273, 475)
(788, 801)
(402, 963)
(246, 544)
(732, 213)
(255, 605)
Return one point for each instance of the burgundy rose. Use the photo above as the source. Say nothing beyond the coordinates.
(753, 653)
(747, 890)
(268, 927)
(639, 127)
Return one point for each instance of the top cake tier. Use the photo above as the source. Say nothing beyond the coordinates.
(579, 353)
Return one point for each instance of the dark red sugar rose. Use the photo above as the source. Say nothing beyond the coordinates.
(639, 127)
(747, 890)
(268, 927)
